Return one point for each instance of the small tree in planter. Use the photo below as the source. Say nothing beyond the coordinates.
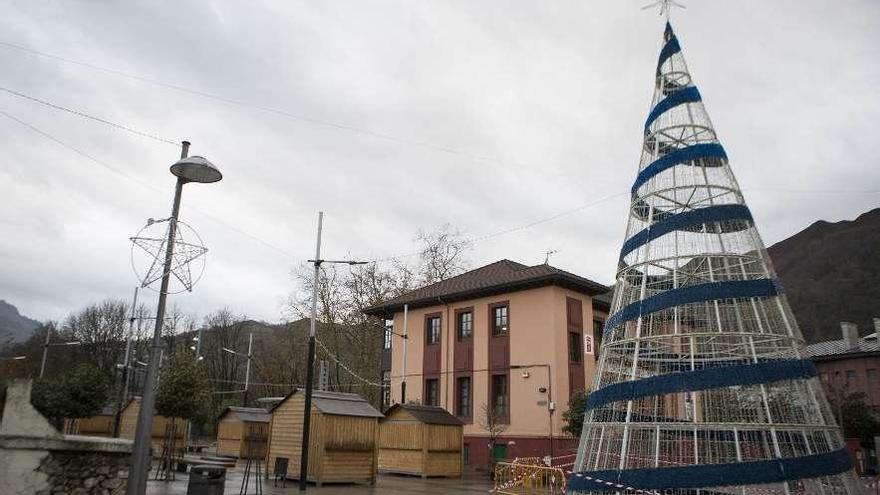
(574, 416)
(491, 421)
(184, 392)
(80, 393)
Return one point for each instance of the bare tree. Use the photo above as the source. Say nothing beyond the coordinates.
(442, 253)
(223, 328)
(101, 328)
(491, 420)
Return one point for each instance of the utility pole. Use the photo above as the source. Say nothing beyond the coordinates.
(46, 346)
(123, 380)
(247, 372)
(45, 350)
(405, 339)
(307, 411)
(198, 358)
(307, 419)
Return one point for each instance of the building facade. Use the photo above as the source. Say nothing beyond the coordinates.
(506, 339)
(851, 364)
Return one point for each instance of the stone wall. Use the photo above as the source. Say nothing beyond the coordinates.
(84, 472)
(36, 459)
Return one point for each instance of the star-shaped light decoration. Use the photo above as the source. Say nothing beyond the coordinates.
(665, 6)
(184, 253)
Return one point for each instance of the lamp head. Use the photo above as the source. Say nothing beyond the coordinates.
(196, 169)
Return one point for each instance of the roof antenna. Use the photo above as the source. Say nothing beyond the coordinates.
(665, 7)
(548, 254)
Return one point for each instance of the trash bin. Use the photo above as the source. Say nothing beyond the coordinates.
(206, 480)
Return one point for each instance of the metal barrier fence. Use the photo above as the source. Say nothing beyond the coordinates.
(528, 478)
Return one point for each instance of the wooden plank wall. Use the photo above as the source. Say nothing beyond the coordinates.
(229, 436)
(258, 449)
(342, 448)
(95, 426)
(400, 446)
(285, 437)
(409, 446)
(128, 426)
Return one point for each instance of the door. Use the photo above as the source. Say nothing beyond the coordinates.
(499, 452)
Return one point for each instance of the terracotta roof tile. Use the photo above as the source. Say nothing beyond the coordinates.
(496, 278)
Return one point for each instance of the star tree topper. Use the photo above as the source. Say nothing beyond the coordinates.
(184, 253)
(665, 7)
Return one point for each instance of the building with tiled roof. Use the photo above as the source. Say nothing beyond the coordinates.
(850, 364)
(517, 339)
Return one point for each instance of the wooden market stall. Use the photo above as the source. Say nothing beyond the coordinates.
(243, 432)
(99, 425)
(162, 427)
(343, 437)
(420, 440)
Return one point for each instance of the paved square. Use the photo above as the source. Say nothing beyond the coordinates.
(385, 484)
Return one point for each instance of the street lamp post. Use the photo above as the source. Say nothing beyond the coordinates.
(187, 169)
(310, 361)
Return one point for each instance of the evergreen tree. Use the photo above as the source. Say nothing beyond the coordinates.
(80, 393)
(184, 390)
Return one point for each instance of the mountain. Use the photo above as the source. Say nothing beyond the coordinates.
(831, 273)
(13, 324)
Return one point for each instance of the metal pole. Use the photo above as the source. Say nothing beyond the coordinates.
(45, 350)
(405, 339)
(307, 411)
(189, 423)
(199, 345)
(247, 372)
(140, 455)
(123, 381)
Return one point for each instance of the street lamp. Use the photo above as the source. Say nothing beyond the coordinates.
(310, 361)
(247, 373)
(46, 346)
(187, 169)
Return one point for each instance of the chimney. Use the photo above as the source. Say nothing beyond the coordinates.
(877, 326)
(850, 334)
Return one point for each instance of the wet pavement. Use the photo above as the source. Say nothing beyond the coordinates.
(385, 484)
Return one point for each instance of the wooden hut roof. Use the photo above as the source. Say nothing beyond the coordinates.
(431, 415)
(248, 414)
(338, 403)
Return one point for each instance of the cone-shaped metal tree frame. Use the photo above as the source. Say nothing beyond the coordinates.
(703, 385)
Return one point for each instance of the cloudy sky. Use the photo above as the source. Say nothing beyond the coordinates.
(396, 115)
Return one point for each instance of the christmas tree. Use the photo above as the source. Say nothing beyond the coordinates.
(703, 383)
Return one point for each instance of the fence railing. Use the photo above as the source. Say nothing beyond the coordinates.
(528, 478)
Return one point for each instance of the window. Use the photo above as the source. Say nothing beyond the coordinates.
(463, 387)
(431, 389)
(465, 325)
(850, 376)
(499, 394)
(499, 321)
(824, 376)
(386, 389)
(598, 328)
(433, 330)
(871, 375)
(389, 332)
(574, 347)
